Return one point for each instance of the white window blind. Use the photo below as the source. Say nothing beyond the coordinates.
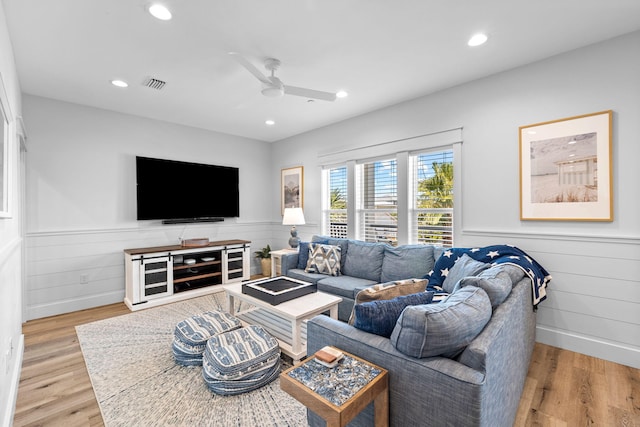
(432, 195)
(377, 201)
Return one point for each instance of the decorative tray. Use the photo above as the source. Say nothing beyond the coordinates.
(278, 289)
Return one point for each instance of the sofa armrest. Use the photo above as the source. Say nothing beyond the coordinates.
(434, 389)
(288, 262)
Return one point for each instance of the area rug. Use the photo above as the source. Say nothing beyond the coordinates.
(137, 382)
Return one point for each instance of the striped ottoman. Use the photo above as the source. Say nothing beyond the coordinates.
(240, 361)
(191, 335)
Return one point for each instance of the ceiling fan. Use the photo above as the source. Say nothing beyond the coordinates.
(273, 86)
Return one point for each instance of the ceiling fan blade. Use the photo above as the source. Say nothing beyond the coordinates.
(309, 93)
(250, 67)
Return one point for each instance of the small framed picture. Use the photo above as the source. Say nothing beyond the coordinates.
(566, 169)
(292, 188)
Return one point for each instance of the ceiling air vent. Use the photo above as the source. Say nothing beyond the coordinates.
(154, 83)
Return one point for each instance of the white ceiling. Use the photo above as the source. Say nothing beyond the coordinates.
(381, 51)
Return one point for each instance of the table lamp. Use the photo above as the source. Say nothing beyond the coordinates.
(293, 217)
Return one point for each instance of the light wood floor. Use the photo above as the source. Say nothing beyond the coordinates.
(563, 388)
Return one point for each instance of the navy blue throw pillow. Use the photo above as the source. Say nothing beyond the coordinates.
(379, 317)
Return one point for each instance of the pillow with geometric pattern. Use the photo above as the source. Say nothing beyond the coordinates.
(323, 259)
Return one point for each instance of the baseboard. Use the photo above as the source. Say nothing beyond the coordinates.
(12, 395)
(68, 306)
(611, 351)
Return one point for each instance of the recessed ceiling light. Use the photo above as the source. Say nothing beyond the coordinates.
(119, 83)
(342, 94)
(269, 122)
(160, 12)
(477, 39)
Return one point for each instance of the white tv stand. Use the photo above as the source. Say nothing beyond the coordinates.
(163, 274)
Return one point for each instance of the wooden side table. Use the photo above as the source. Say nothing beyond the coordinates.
(276, 260)
(339, 394)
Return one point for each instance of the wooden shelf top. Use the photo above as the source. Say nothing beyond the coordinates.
(172, 248)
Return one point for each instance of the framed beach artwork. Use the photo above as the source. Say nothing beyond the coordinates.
(292, 188)
(5, 138)
(566, 169)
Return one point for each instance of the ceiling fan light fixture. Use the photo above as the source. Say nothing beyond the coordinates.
(272, 91)
(341, 94)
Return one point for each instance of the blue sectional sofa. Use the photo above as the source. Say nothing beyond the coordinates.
(362, 264)
(479, 382)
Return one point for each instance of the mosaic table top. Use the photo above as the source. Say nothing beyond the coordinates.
(337, 384)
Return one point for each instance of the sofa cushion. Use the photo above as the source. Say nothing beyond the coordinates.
(495, 281)
(379, 317)
(343, 286)
(387, 291)
(364, 260)
(445, 328)
(304, 276)
(406, 261)
(324, 259)
(464, 266)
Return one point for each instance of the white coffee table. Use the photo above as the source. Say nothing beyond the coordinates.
(285, 321)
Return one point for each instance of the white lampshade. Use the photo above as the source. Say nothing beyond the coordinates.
(293, 216)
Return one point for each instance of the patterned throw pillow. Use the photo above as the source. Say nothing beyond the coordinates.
(303, 252)
(323, 259)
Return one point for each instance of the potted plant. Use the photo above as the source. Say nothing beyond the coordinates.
(265, 260)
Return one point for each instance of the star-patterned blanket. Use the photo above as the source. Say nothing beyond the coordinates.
(496, 254)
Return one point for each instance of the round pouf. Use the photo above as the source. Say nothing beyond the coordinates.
(240, 361)
(191, 335)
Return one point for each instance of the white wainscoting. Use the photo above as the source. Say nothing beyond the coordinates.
(593, 300)
(79, 269)
(592, 305)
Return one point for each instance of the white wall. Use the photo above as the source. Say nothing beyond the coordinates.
(82, 206)
(593, 303)
(81, 195)
(11, 339)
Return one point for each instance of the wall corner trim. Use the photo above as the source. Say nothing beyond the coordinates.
(16, 369)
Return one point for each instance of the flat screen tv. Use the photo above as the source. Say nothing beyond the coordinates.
(176, 191)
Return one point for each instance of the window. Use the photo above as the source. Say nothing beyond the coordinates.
(335, 214)
(377, 199)
(432, 198)
(397, 192)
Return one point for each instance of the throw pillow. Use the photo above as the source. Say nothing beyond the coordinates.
(443, 329)
(303, 252)
(324, 259)
(379, 317)
(406, 261)
(495, 281)
(386, 291)
(464, 266)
